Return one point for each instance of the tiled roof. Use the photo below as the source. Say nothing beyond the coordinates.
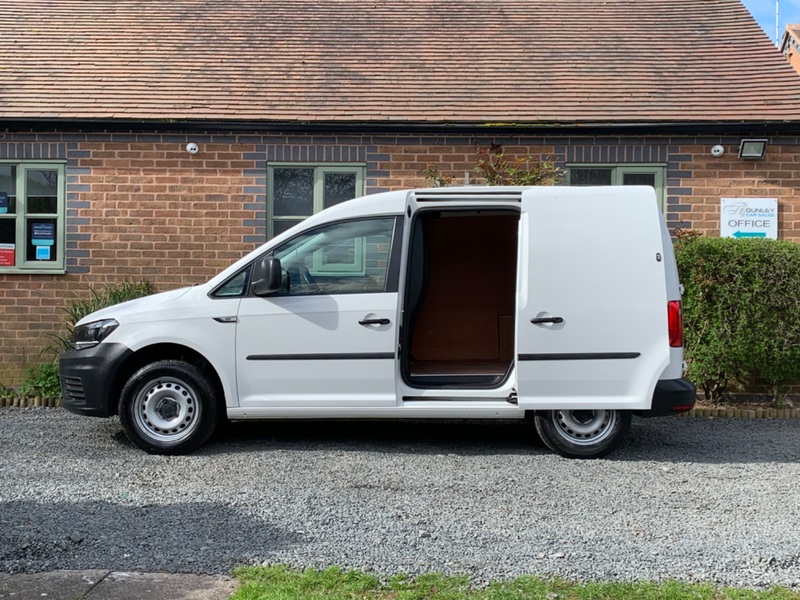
(400, 61)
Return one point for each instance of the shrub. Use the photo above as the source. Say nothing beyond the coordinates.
(41, 381)
(496, 169)
(109, 295)
(741, 312)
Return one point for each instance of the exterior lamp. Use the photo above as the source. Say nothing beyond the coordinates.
(752, 149)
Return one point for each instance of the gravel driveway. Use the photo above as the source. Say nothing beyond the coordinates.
(693, 499)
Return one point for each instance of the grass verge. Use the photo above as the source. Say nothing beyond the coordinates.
(283, 583)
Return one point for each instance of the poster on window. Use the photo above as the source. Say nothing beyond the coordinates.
(43, 234)
(7, 255)
(3, 203)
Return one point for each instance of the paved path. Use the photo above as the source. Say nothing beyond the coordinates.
(105, 585)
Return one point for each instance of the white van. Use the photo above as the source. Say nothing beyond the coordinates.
(558, 304)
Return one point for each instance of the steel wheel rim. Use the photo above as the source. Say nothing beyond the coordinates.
(166, 409)
(584, 427)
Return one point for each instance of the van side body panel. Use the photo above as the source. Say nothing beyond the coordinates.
(592, 312)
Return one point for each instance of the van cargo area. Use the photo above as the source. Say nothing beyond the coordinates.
(460, 298)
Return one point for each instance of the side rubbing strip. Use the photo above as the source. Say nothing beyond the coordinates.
(581, 356)
(352, 356)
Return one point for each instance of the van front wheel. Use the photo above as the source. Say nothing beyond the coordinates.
(582, 433)
(168, 407)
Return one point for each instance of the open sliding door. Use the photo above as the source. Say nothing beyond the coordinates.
(592, 298)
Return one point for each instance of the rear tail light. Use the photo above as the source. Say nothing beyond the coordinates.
(675, 320)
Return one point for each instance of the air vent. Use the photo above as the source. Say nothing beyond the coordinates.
(72, 388)
(467, 195)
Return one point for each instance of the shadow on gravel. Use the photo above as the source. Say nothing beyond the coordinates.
(712, 441)
(669, 439)
(43, 537)
(392, 437)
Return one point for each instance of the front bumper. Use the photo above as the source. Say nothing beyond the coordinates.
(671, 396)
(87, 379)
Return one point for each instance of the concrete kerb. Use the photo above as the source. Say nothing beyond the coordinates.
(114, 585)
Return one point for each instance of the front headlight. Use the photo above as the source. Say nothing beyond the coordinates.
(91, 334)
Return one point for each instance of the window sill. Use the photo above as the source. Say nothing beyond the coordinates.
(18, 271)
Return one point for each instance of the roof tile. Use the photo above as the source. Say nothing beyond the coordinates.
(416, 61)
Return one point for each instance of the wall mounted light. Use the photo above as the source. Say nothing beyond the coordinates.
(192, 148)
(752, 149)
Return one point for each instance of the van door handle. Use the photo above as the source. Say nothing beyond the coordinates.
(374, 322)
(540, 320)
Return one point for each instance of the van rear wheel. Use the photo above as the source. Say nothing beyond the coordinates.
(582, 433)
(168, 407)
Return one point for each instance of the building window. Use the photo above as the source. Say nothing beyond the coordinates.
(32, 216)
(652, 175)
(298, 190)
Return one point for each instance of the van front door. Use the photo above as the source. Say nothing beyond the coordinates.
(329, 338)
(592, 300)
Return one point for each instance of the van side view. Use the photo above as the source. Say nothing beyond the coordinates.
(560, 305)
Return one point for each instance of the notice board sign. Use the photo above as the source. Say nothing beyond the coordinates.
(749, 218)
(43, 234)
(7, 255)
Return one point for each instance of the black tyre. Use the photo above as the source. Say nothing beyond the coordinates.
(168, 407)
(582, 433)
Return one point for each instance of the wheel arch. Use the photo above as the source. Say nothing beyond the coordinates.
(166, 351)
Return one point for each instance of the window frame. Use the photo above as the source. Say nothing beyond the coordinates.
(320, 170)
(392, 273)
(21, 216)
(619, 170)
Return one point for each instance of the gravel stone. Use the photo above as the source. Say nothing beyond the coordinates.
(712, 500)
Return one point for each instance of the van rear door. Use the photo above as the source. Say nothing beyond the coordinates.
(592, 298)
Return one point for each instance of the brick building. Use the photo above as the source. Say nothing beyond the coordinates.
(296, 105)
(790, 46)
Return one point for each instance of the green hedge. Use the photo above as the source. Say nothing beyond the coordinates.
(741, 310)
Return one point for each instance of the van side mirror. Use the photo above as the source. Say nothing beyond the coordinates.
(267, 276)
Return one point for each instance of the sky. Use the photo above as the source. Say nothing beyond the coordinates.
(764, 13)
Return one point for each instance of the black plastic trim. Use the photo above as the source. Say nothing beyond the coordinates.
(540, 320)
(93, 370)
(322, 356)
(395, 256)
(671, 396)
(582, 356)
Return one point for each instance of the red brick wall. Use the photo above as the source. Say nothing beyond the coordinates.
(145, 210)
(707, 179)
(156, 212)
(139, 206)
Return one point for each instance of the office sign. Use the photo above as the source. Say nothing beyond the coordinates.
(749, 218)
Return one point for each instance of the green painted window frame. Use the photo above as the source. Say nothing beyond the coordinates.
(21, 215)
(618, 172)
(320, 170)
